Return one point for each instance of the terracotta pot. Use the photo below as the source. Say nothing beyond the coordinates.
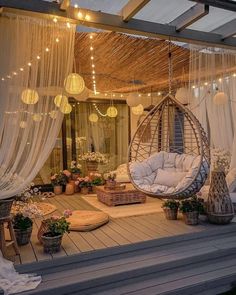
(74, 176)
(70, 188)
(170, 214)
(191, 218)
(51, 244)
(84, 190)
(42, 230)
(57, 189)
(5, 207)
(23, 236)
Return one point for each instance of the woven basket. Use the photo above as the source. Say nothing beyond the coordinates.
(92, 166)
(191, 218)
(171, 214)
(5, 207)
(51, 244)
(42, 230)
(23, 236)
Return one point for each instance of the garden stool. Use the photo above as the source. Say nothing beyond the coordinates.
(3, 242)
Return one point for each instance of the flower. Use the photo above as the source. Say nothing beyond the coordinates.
(93, 157)
(67, 213)
(67, 173)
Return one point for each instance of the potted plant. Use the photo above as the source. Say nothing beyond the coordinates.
(96, 180)
(92, 160)
(170, 208)
(110, 179)
(59, 180)
(56, 227)
(23, 228)
(191, 208)
(75, 170)
(84, 183)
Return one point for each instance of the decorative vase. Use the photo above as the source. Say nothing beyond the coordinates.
(42, 230)
(70, 188)
(5, 207)
(51, 244)
(92, 166)
(171, 214)
(191, 218)
(57, 189)
(84, 190)
(23, 236)
(74, 176)
(220, 209)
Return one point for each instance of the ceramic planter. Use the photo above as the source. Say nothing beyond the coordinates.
(70, 188)
(171, 214)
(191, 218)
(51, 244)
(23, 236)
(57, 189)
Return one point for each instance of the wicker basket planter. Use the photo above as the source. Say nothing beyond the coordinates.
(23, 236)
(57, 189)
(191, 218)
(5, 207)
(171, 214)
(42, 230)
(92, 166)
(51, 244)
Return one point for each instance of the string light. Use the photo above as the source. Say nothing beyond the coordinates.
(57, 40)
(47, 49)
(149, 94)
(80, 14)
(139, 95)
(91, 48)
(38, 57)
(91, 37)
(92, 58)
(220, 80)
(159, 93)
(87, 17)
(29, 64)
(68, 25)
(14, 73)
(76, 6)
(234, 74)
(21, 69)
(193, 86)
(55, 20)
(99, 112)
(3, 79)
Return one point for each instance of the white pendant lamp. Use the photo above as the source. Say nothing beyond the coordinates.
(29, 96)
(60, 100)
(66, 108)
(83, 95)
(37, 117)
(133, 100)
(220, 98)
(138, 110)
(182, 95)
(93, 118)
(112, 112)
(74, 84)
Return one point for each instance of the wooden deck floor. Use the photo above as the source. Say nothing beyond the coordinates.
(120, 231)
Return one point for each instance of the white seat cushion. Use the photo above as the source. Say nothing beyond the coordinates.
(168, 178)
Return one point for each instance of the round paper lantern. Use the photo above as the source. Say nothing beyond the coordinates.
(182, 95)
(37, 117)
(133, 100)
(74, 84)
(112, 112)
(23, 124)
(29, 96)
(60, 100)
(66, 108)
(138, 110)
(83, 95)
(93, 118)
(53, 114)
(220, 98)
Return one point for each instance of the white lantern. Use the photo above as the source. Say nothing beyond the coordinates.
(112, 112)
(66, 108)
(83, 95)
(138, 110)
(37, 117)
(60, 100)
(133, 100)
(23, 124)
(182, 95)
(53, 114)
(74, 84)
(29, 96)
(93, 118)
(220, 98)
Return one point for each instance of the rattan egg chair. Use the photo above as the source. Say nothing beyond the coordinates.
(169, 141)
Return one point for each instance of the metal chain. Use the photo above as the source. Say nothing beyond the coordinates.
(170, 66)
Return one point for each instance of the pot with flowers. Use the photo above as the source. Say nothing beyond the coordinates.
(110, 179)
(170, 208)
(96, 180)
(191, 208)
(92, 160)
(59, 180)
(85, 184)
(52, 238)
(75, 170)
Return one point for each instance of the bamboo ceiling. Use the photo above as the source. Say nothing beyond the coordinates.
(121, 59)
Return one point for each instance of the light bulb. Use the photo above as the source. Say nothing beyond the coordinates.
(3, 79)
(14, 73)
(91, 37)
(92, 57)
(93, 65)
(47, 49)
(76, 6)
(38, 57)
(93, 72)
(57, 40)
(91, 48)
(29, 64)
(68, 25)
(149, 94)
(55, 20)
(21, 69)
(234, 74)
(87, 17)
(80, 14)
(159, 93)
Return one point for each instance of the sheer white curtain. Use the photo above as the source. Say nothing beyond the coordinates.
(35, 54)
(212, 70)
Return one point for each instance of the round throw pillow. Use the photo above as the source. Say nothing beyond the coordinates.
(83, 220)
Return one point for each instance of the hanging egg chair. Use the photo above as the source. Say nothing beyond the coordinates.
(169, 154)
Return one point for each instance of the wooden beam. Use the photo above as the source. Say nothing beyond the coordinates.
(64, 4)
(132, 8)
(190, 16)
(227, 30)
(112, 22)
(223, 4)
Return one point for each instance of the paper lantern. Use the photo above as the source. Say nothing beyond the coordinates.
(182, 95)
(29, 96)
(37, 117)
(112, 112)
(74, 84)
(220, 98)
(83, 95)
(138, 110)
(93, 118)
(53, 114)
(133, 100)
(66, 108)
(60, 100)
(23, 124)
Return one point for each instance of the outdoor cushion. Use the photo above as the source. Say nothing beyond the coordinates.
(83, 220)
(168, 178)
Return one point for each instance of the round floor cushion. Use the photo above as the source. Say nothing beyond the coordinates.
(83, 220)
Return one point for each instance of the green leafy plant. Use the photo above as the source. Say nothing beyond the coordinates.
(22, 222)
(191, 205)
(57, 226)
(170, 204)
(59, 179)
